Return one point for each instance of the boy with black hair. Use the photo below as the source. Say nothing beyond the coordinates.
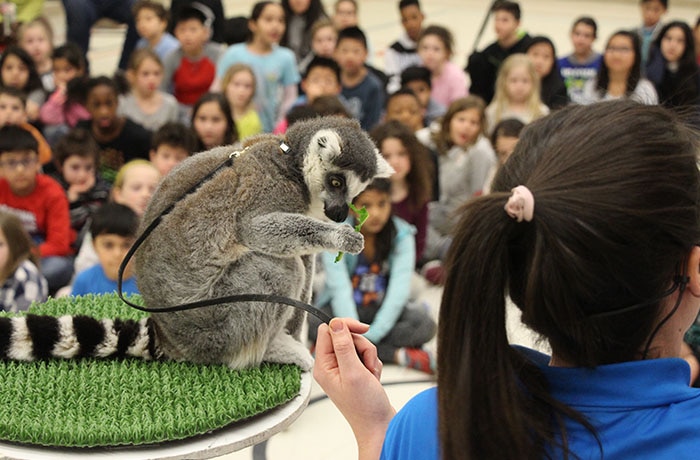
(419, 80)
(219, 25)
(483, 66)
(151, 20)
(77, 158)
(321, 78)
(38, 201)
(171, 145)
(652, 12)
(188, 72)
(583, 64)
(404, 106)
(403, 53)
(363, 91)
(113, 228)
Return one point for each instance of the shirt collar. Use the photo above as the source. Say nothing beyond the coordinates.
(632, 384)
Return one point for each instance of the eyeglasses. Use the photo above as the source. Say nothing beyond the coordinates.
(15, 164)
(618, 49)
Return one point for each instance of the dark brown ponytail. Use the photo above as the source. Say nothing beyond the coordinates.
(616, 189)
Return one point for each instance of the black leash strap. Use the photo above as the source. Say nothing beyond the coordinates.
(268, 298)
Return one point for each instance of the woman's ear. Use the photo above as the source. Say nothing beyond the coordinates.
(693, 271)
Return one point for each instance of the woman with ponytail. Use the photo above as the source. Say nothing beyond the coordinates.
(596, 243)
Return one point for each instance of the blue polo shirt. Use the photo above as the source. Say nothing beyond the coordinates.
(640, 409)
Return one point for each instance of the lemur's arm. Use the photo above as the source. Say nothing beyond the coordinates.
(288, 234)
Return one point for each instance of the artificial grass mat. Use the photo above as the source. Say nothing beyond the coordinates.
(91, 403)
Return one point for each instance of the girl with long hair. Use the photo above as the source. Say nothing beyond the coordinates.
(412, 181)
(21, 283)
(620, 73)
(373, 286)
(518, 93)
(672, 67)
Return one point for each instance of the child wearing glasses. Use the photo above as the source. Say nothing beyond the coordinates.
(620, 75)
(38, 201)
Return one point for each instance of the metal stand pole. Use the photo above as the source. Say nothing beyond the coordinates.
(483, 24)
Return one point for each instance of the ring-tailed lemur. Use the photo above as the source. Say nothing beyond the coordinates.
(252, 228)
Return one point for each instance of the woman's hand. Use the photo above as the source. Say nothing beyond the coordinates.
(348, 370)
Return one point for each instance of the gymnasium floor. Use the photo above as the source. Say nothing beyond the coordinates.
(320, 432)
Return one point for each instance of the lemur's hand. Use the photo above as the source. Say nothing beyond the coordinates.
(348, 240)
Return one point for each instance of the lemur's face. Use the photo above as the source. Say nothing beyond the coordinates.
(339, 188)
(337, 167)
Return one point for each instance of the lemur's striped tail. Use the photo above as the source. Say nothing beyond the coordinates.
(35, 337)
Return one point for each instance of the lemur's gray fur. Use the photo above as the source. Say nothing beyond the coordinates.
(253, 228)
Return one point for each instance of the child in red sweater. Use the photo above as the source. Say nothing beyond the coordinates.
(38, 201)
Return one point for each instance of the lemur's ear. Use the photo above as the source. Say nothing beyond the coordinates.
(384, 170)
(326, 143)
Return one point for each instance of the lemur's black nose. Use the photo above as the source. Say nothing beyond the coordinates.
(337, 213)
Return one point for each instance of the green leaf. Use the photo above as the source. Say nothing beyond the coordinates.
(362, 215)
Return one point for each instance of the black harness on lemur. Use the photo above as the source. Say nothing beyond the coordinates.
(268, 298)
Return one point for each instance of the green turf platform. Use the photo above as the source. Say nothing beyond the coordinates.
(91, 403)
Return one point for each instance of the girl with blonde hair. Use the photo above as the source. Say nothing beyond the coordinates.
(517, 93)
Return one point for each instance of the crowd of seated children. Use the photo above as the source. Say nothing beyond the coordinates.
(186, 92)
